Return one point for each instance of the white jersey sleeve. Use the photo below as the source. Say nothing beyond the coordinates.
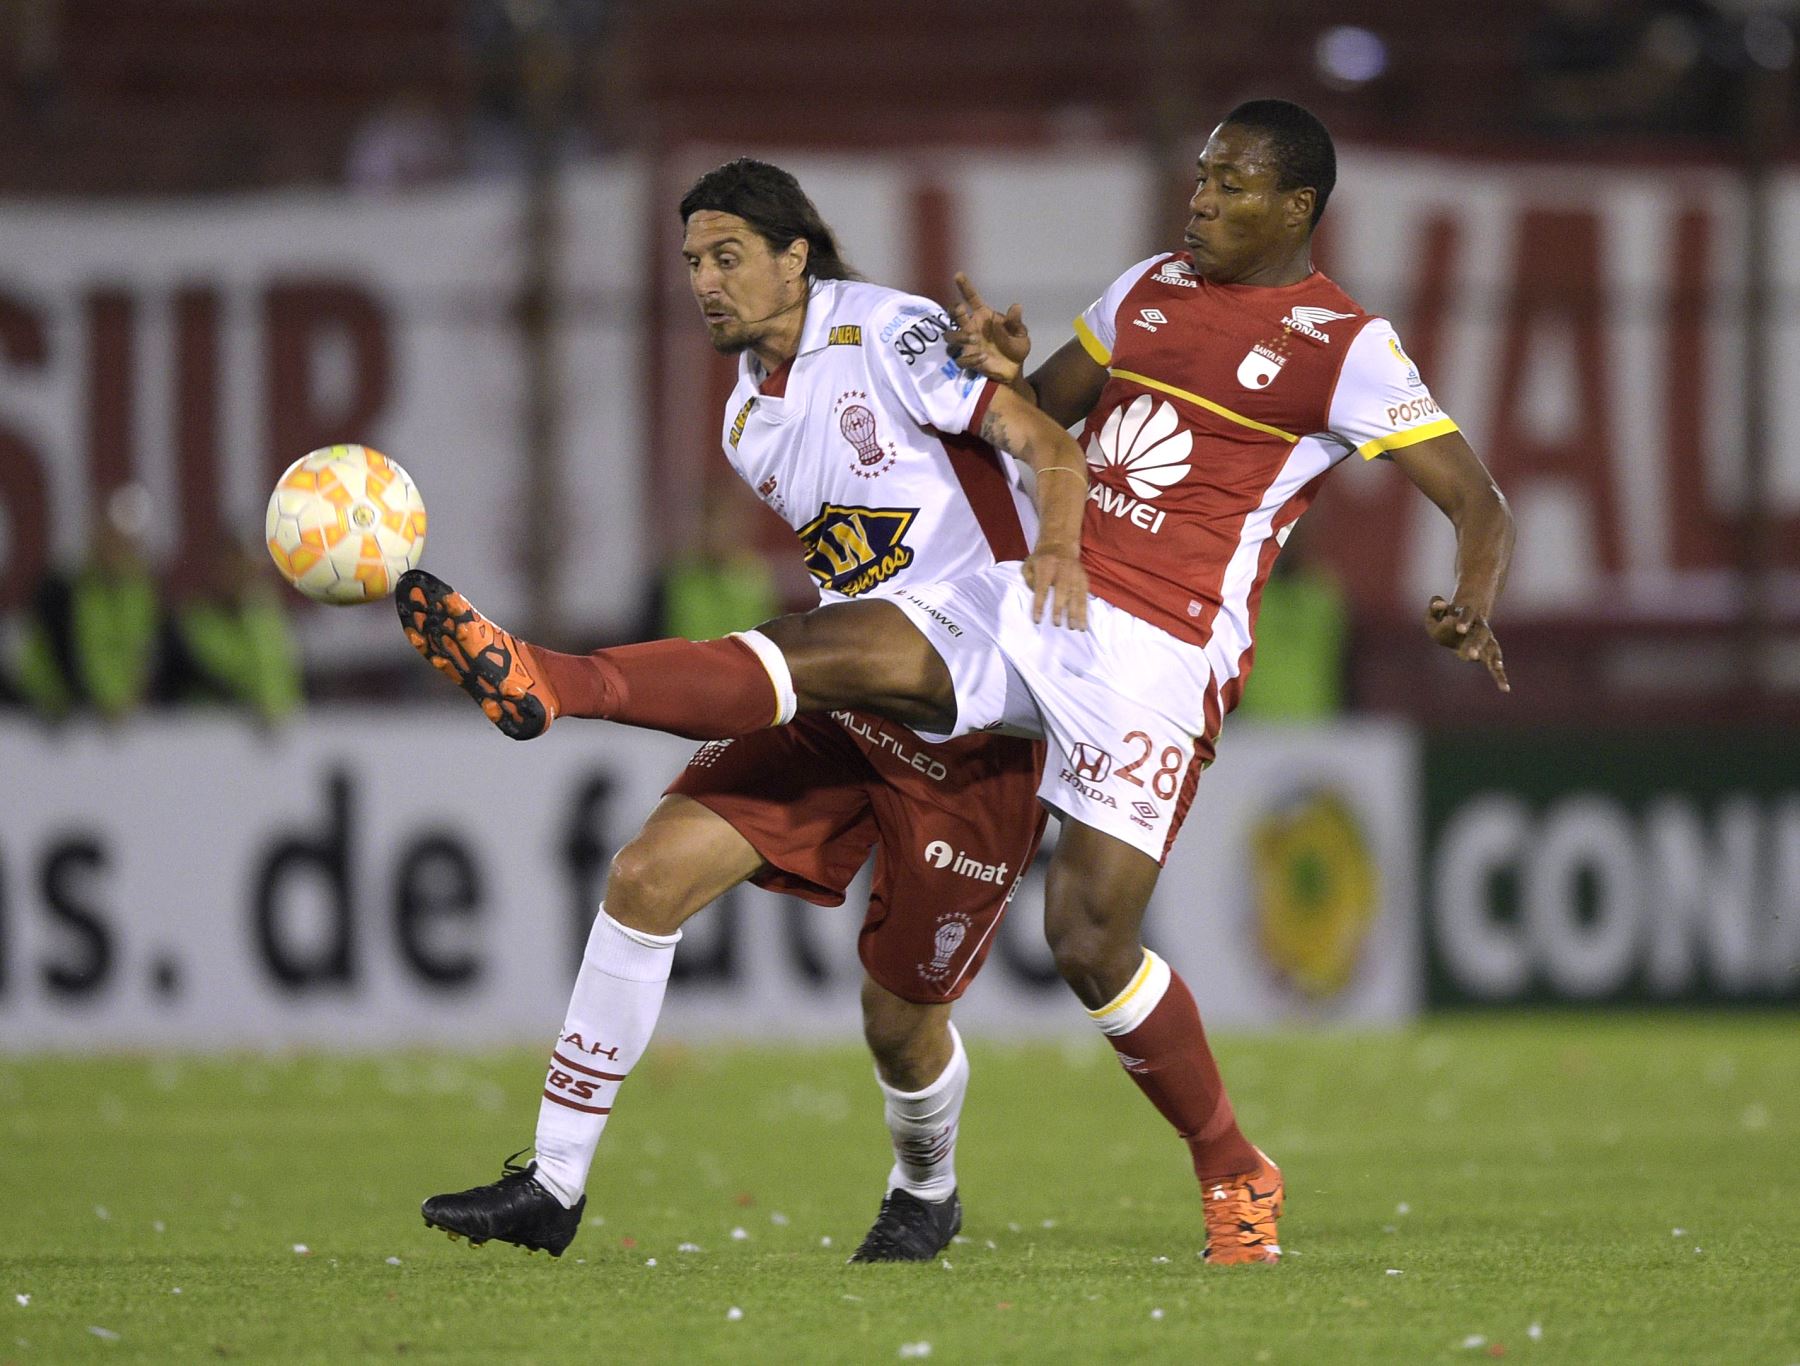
(1097, 328)
(1380, 403)
(909, 354)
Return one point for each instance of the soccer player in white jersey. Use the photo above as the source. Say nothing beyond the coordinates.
(1218, 386)
(850, 420)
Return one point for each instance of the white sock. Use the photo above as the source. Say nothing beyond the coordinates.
(612, 1012)
(787, 705)
(923, 1124)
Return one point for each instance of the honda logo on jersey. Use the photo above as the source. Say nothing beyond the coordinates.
(1091, 762)
(1309, 320)
(1176, 272)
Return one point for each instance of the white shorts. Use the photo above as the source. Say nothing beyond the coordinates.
(1122, 704)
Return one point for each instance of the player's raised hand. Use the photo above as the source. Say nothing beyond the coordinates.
(987, 342)
(1461, 627)
(1056, 577)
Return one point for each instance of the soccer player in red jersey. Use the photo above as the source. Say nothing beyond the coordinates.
(1217, 386)
(850, 420)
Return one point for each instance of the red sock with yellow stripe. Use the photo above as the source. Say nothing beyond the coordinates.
(702, 689)
(1155, 1027)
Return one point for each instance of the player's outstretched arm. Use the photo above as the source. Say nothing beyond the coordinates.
(1449, 473)
(1053, 569)
(994, 345)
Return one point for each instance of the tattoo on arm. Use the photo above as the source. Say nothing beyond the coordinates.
(997, 434)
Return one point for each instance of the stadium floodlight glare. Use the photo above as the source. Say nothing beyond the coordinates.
(1348, 55)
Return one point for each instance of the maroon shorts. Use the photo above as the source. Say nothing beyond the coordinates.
(953, 827)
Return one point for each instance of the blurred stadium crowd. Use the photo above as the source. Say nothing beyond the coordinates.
(157, 100)
(175, 96)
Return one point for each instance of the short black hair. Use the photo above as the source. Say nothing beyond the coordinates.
(1304, 155)
(771, 201)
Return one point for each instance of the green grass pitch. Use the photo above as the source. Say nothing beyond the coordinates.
(1547, 1189)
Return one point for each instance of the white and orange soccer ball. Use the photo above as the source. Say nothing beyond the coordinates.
(344, 523)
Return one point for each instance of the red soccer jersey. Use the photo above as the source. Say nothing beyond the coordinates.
(1225, 408)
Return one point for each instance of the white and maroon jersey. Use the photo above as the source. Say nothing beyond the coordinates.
(1225, 408)
(862, 444)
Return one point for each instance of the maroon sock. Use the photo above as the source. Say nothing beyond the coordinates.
(1168, 1057)
(705, 689)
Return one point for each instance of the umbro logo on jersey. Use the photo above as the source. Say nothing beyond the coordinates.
(1310, 320)
(1150, 319)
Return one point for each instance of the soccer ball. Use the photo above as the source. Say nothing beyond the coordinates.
(344, 523)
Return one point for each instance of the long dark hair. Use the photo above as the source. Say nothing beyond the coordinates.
(771, 201)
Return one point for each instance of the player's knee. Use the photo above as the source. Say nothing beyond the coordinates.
(1094, 958)
(646, 891)
(1078, 950)
(910, 1043)
(886, 1028)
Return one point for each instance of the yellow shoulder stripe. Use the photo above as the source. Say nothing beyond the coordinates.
(1399, 441)
(1090, 343)
(1207, 404)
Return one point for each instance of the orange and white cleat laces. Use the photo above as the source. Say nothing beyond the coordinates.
(1240, 1215)
(491, 665)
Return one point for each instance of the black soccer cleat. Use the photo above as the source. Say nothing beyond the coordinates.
(909, 1229)
(514, 1209)
(490, 664)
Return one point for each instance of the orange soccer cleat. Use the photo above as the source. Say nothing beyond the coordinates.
(1240, 1215)
(491, 665)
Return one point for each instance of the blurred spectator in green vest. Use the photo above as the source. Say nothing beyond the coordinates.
(91, 639)
(1302, 631)
(722, 584)
(230, 641)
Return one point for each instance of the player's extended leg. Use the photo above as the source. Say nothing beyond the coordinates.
(853, 654)
(923, 1073)
(1094, 906)
(684, 858)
